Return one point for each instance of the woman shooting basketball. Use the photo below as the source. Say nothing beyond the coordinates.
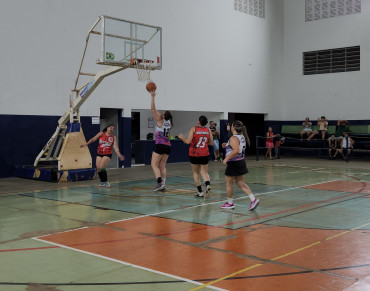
(235, 165)
(199, 138)
(107, 140)
(162, 147)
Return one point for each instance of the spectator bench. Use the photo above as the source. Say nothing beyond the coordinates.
(359, 133)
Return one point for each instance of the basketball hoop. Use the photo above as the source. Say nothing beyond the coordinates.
(143, 68)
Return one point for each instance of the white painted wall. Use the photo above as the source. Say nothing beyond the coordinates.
(337, 96)
(214, 58)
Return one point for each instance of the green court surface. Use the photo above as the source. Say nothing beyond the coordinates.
(294, 193)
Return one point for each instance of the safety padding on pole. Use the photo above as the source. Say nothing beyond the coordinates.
(72, 156)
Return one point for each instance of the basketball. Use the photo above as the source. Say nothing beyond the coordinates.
(151, 86)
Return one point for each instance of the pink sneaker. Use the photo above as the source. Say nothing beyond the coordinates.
(254, 204)
(228, 206)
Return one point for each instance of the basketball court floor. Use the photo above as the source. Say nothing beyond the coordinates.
(311, 231)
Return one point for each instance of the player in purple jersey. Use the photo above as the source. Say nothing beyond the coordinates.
(162, 147)
(236, 167)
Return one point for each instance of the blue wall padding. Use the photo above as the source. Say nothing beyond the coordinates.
(24, 136)
(81, 174)
(47, 175)
(74, 127)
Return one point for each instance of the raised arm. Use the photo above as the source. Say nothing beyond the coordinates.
(93, 139)
(156, 114)
(190, 136)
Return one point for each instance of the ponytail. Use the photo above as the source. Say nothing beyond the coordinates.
(240, 128)
(244, 132)
(168, 116)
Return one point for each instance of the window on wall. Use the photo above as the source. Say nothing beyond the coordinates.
(337, 60)
(320, 9)
(251, 7)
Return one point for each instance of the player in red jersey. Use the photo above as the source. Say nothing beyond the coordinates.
(199, 138)
(107, 141)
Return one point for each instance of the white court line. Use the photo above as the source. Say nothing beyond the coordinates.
(206, 204)
(64, 231)
(163, 212)
(129, 264)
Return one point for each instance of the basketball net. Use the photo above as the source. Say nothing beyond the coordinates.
(143, 68)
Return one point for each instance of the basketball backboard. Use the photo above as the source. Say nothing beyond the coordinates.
(124, 41)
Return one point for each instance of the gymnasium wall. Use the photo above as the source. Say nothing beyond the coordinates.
(214, 57)
(336, 96)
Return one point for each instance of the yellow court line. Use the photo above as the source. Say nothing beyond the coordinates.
(357, 227)
(296, 251)
(344, 232)
(338, 234)
(277, 258)
(227, 276)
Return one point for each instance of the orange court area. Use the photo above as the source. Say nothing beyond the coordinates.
(310, 232)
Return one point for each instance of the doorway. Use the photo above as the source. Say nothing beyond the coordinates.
(255, 124)
(135, 133)
(111, 116)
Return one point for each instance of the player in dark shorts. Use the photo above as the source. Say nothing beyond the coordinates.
(107, 141)
(199, 138)
(236, 167)
(162, 148)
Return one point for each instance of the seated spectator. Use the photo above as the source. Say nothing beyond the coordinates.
(323, 128)
(306, 128)
(333, 147)
(341, 129)
(346, 146)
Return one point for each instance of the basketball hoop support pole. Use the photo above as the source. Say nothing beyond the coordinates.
(59, 145)
(82, 96)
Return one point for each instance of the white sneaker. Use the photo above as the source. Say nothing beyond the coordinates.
(101, 185)
(159, 187)
(107, 184)
(199, 194)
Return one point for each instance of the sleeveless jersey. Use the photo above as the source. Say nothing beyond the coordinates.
(242, 146)
(105, 144)
(161, 133)
(199, 143)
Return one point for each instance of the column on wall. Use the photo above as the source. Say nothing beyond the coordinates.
(125, 140)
